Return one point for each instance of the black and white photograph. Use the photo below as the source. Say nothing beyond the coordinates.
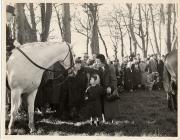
(89, 69)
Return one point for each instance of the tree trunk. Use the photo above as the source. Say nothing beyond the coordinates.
(145, 54)
(87, 42)
(152, 46)
(59, 20)
(88, 35)
(14, 29)
(131, 29)
(122, 42)
(45, 18)
(115, 50)
(141, 32)
(154, 31)
(130, 44)
(66, 23)
(174, 23)
(147, 33)
(169, 7)
(32, 15)
(129, 34)
(24, 32)
(105, 47)
(94, 28)
(160, 22)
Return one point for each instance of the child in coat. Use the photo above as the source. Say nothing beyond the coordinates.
(93, 97)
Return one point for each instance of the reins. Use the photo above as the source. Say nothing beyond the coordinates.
(43, 67)
(60, 75)
(34, 62)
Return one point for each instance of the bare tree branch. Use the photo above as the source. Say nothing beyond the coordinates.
(103, 42)
(59, 19)
(154, 31)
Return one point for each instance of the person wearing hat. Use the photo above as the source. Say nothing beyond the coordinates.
(108, 81)
(9, 46)
(76, 89)
(152, 64)
(9, 35)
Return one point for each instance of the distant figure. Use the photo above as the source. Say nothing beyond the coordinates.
(117, 70)
(143, 67)
(160, 71)
(138, 58)
(122, 72)
(85, 59)
(150, 81)
(128, 83)
(153, 64)
(136, 75)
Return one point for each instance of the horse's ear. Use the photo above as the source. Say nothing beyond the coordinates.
(16, 43)
(72, 45)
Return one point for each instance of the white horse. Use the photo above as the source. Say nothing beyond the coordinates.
(24, 77)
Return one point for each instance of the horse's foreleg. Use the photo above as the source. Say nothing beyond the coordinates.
(30, 100)
(15, 103)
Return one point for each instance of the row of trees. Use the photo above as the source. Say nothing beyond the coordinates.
(146, 26)
(27, 32)
(142, 24)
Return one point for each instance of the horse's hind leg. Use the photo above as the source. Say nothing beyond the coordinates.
(30, 100)
(15, 103)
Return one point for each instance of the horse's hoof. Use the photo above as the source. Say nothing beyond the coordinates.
(32, 131)
(11, 132)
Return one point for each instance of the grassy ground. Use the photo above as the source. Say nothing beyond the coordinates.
(141, 114)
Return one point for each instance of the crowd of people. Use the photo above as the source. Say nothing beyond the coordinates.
(96, 88)
(98, 85)
(135, 72)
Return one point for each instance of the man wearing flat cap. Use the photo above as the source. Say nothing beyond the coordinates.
(9, 34)
(9, 44)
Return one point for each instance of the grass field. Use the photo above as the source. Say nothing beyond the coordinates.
(141, 114)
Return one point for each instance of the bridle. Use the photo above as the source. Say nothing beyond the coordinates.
(71, 58)
(46, 69)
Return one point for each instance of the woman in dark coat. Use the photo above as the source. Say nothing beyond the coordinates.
(76, 89)
(73, 98)
(110, 109)
(109, 83)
